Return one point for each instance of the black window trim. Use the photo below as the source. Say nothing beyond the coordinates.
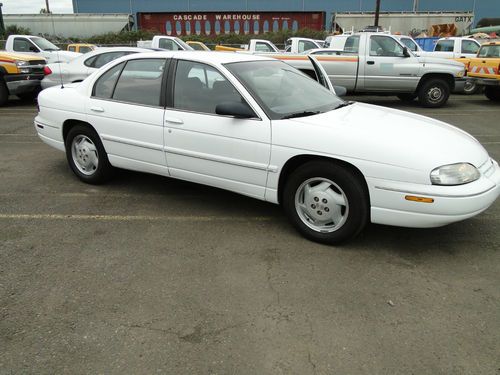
(171, 88)
(168, 64)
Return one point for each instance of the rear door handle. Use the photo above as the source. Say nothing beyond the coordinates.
(370, 62)
(97, 109)
(174, 121)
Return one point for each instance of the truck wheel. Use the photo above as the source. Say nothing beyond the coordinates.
(434, 93)
(470, 87)
(86, 155)
(28, 96)
(492, 93)
(407, 97)
(4, 92)
(326, 202)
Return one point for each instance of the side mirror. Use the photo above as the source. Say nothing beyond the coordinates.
(235, 109)
(340, 90)
(406, 53)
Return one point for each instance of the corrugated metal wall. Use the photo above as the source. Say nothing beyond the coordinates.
(482, 8)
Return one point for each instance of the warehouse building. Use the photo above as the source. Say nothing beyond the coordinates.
(147, 12)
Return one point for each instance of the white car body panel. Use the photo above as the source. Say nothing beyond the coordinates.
(395, 151)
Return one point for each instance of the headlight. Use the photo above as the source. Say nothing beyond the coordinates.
(454, 174)
(23, 66)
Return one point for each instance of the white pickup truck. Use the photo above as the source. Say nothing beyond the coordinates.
(38, 46)
(378, 63)
(169, 43)
(453, 48)
(293, 45)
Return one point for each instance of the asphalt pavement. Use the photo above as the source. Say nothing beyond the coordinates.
(149, 275)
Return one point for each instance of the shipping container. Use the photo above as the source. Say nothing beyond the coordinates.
(430, 24)
(215, 23)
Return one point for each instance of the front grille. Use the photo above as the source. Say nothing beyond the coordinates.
(37, 66)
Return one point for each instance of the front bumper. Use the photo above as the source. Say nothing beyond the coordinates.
(450, 203)
(23, 83)
(459, 84)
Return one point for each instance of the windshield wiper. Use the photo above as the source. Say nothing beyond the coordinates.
(300, 114)
(344, 104)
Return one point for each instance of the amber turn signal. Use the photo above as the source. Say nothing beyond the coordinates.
(419, 199)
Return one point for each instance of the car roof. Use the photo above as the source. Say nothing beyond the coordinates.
(216, 57)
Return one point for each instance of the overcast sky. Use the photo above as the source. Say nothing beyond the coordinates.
(34, 6)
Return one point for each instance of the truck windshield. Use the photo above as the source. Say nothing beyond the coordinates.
(489, 51)
(44, 44)
(186, 46)
(283, 91)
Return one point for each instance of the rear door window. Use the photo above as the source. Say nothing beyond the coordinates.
(140, 82)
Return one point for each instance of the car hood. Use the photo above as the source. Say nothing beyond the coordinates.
(381, 135)
(438, 60)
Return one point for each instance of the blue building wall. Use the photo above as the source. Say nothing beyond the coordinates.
(482, 8)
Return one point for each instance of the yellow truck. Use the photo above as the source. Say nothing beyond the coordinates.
(20, 75)
(484, 69)
(81, 47)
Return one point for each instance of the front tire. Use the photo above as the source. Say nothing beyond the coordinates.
(326, 202)
(4, 92)
(407, 98)
(492, 93)
(434, 93)
(86, 155)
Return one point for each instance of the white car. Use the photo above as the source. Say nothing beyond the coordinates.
(259, 127)
(80, 68)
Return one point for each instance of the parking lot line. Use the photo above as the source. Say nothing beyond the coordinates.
(133, 217)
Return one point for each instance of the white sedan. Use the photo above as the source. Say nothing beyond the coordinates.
(257, 126)
(80, 68)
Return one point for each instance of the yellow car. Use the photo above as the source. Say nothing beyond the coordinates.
(198, 46)
(81, 47)
(485, 69)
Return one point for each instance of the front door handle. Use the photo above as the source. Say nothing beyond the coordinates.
(370, 62)
(97, 109)
(174, 121)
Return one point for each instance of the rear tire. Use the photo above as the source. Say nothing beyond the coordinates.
(492, 93)
(326, 202)
(4, 92)
(86, 155)
(434, 93)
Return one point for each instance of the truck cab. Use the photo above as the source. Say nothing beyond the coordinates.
(454, 48)
(35, 45)
(165, 42)
(299, 45)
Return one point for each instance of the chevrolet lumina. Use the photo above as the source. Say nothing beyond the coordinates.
(259, 127)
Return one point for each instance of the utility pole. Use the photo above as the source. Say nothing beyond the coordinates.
(377, 11)
(47, 6)
(415, 5)
(2, 26)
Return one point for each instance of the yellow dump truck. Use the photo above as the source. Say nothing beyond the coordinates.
(20, 75)
(484, 69)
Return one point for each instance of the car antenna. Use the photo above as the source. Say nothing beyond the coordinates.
(57, 51)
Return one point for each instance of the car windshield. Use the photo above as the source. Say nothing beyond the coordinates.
(283, 91)
(44, 44)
